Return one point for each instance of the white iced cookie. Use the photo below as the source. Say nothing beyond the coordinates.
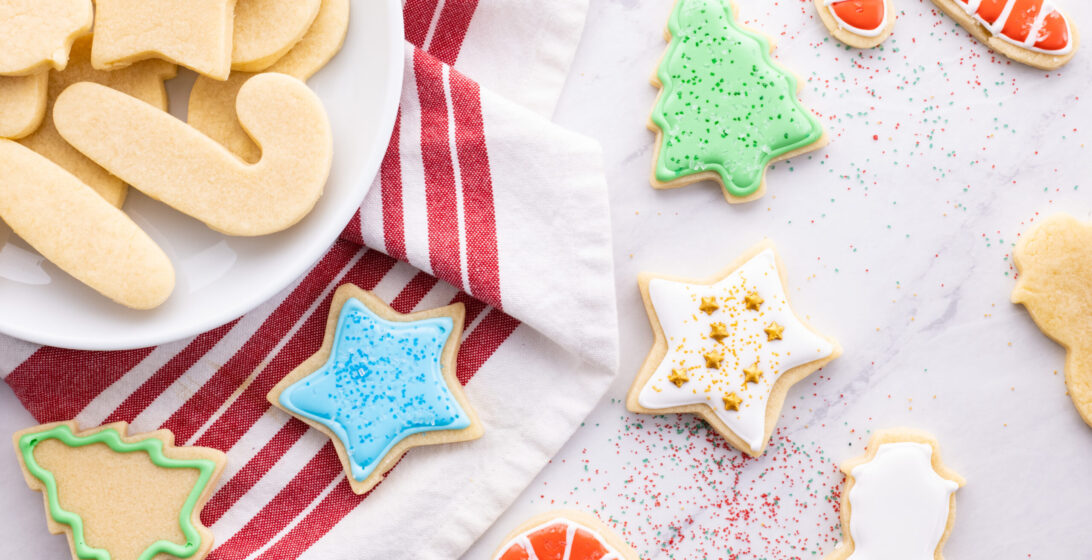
(22, 103)
(172, 162)
(73, 227)
(212, 102)
(727, 349)
(35, 35)
(196, 34)
(899, 500)
(267, 29)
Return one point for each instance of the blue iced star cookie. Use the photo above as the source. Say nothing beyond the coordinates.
(383, 382)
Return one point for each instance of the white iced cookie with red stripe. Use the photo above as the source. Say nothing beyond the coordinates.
(1033, 32)
(727, 349)
(861, 24)
(899, 500)
(564, 535)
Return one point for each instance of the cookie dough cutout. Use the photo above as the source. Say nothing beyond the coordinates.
(727, 348)
(35, 35)
(267, 29)
(899, 499)
(410, 363)
(753, 101)
(172, 162)
(196, 34)
(126, 496)
(1032, 32)
(212, 102)
(73, 227)
(564, 534)
(22, 104)
(861, 24)
(143, 80)
(1054, 261)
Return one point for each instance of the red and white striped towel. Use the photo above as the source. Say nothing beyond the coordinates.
(482, 200)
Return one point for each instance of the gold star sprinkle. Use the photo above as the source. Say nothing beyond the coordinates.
(713, 359)
(709, 305)
(678, 377)
(752, 374)
(719, 332)
(774, 331)
(732, 402)
(753, 301)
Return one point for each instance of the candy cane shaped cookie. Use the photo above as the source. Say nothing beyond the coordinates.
(1033, 32)
(861, 24)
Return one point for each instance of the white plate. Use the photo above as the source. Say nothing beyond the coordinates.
(220, 278)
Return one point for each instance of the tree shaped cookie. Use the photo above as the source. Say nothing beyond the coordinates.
(382, 383)
(1055, 285)
(727, 349)
(899, 500)
(560, 535)
(120, 496)
(725, 109)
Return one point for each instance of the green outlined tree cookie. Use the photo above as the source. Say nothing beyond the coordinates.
(725, 110)
(121, 497)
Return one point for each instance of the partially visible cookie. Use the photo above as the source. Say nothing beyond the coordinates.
(121, 496)
(383, 383)
(196, 34)
(899, 499)
(73, 227)
(861, 24)
(1054, 260)
(567, 534)
(267, 29)
(176, 164)
(212, 102)
(143, 80)
(1033, 32)
(727, 348)
(22, 104)
(35, 35)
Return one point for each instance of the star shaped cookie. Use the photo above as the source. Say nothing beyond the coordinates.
(727, 349)
(383, 382)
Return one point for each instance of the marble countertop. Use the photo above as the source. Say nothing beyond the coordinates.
(897, 239)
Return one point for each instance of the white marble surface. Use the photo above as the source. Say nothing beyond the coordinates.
(897, 238)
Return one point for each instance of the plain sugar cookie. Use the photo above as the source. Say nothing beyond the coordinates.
(1054, 260)
(35, 35)
(552, 534)
(899, 499)
(121, 496)
(727, 348)
(267, 29)
(73, 227)
(383, 383)
(861, 24)
(192, 33)
(143, 80)
(172, 162)
(22, 103)
(212, 102)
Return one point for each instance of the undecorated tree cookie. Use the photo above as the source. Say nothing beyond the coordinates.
(175, 163)
(22, 104)
(196, 34)
(121, 496)
(212, 102)
(1054, 260)
(267, 29)
(85, 236)
(899, 500)
(383, 383)
(35, 35)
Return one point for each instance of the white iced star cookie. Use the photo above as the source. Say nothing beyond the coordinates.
(727, 349)
(899, 500)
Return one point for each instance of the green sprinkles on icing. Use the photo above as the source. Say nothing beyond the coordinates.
(725, 106)
(112, 439)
